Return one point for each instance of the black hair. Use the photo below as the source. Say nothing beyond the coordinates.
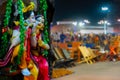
(27, 14)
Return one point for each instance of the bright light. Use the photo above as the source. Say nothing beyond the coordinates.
(81, 24)
(58, 23)
(86, 21)
(74, 23)
(101, 22)
(108, 23)
(104, 22)
(104, 8)
(66, 22)
(118, 20)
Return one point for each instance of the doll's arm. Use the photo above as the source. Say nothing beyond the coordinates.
(43, 45)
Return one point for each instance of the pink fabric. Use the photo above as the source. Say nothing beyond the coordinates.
(7, 58)
(43, 68)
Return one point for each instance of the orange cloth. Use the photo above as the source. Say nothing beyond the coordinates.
(29, 77)
(23, 63)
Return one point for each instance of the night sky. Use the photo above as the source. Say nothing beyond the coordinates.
(86, 9)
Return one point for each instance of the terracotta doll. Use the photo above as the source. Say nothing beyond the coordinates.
(27, 66)
(36, 44)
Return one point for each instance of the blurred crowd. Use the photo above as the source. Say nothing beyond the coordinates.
(101, 41)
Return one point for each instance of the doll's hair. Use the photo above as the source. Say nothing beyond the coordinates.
(27, 14)
(40, 18)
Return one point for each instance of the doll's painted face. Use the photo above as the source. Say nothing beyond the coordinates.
(32, 18)
(40, 26)
(40, 21)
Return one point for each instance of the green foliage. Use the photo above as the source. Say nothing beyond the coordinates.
(22, 31)
(4, 38)
(43, 10)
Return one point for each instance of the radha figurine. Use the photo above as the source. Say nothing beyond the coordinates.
(36, 44)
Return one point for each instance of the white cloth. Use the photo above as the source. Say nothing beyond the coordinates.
(25, 72)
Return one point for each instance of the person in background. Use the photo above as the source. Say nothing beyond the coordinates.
(79, 37)
(62, 37)
(90, 44)
(56, 38)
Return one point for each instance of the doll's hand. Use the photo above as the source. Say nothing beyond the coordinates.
(13, 37)
(43, 45)
(40, 43)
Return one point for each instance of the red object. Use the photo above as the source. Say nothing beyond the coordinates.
(43, 68)
(6, 59)
(38, 36)
(16, 27)
(28, 44)
(5, 29)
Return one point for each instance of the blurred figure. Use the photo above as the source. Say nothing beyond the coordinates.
(56, 38)
(62, 37)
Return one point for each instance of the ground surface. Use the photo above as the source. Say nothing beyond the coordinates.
(96, 71)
